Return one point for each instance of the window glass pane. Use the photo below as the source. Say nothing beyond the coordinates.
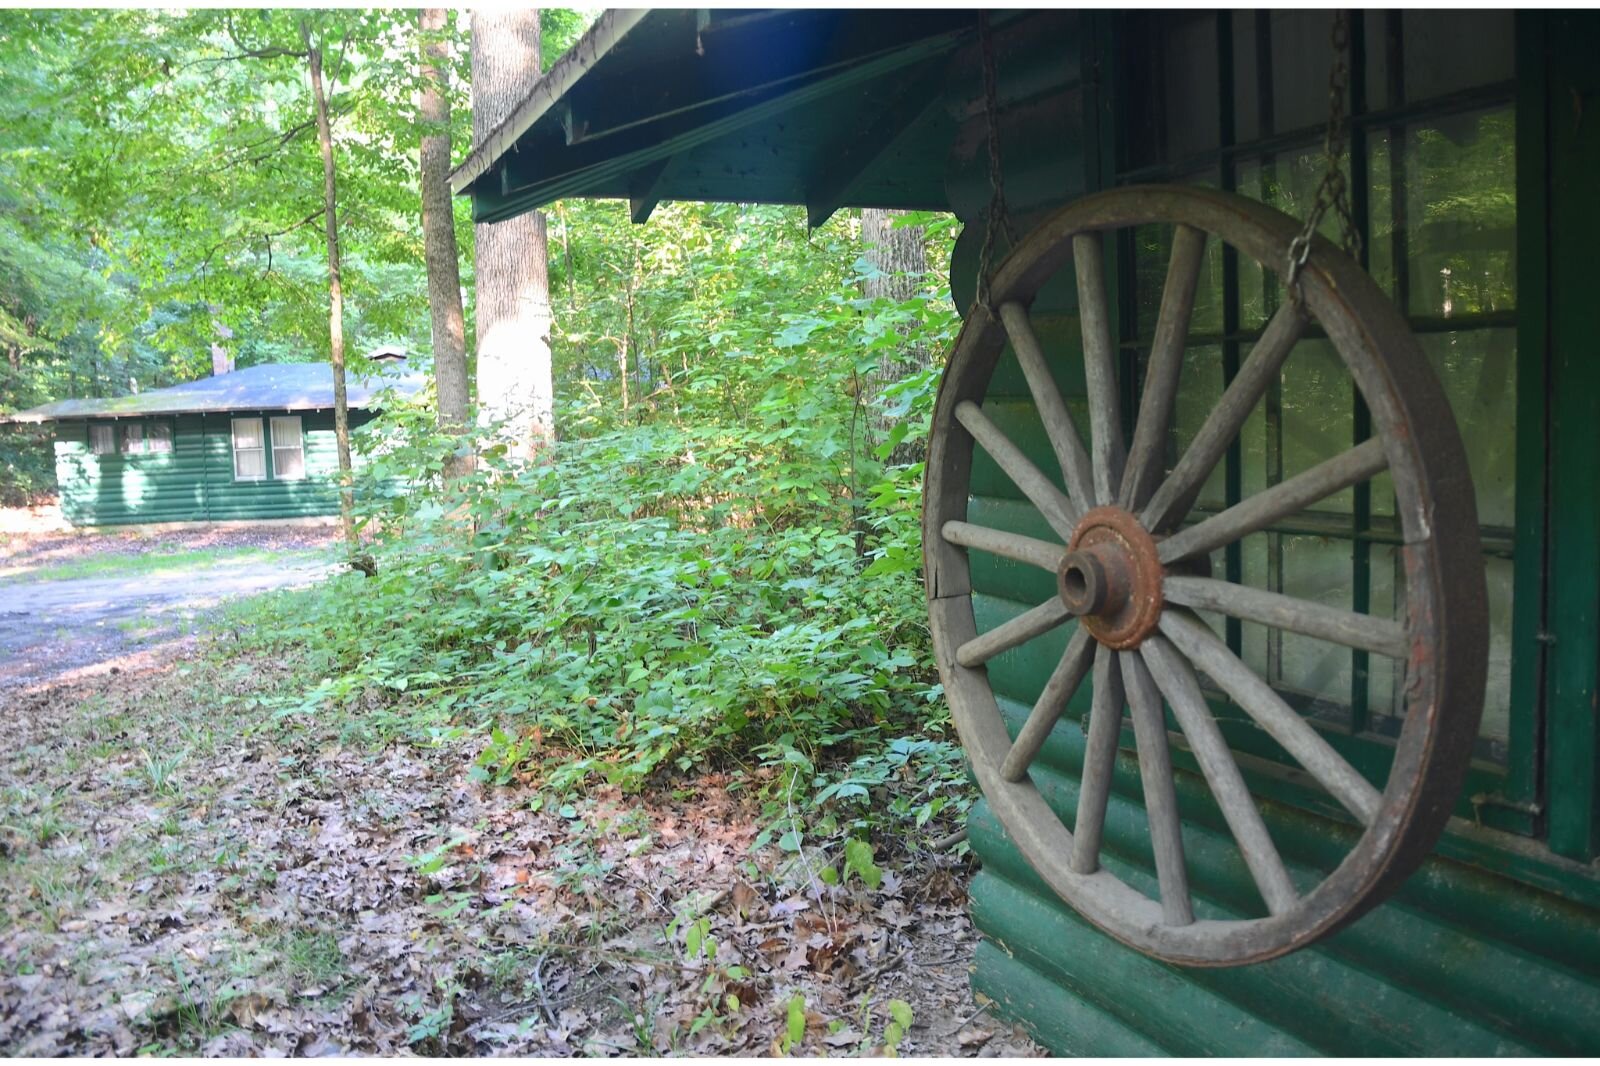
(1497, 685)
(1152, 257)
(1302, 54)
(249, 464)
(1386, 687)
(1317, 419)
(1246, 76)
(247, 433)
(1383, 673)
(1461, 213)
(1317, 569)
(286, 431)
(103, 439)
(1478, 369)
(159, 437)
(288, 463)
(132, 438)
(1287, 181)
(1254, 573)
(1446, 51)
(1173, 98)
(1199, 389)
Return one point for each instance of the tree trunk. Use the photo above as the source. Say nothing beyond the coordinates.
(513, 280)
(439, 237)
(900, 257)
(330, 218)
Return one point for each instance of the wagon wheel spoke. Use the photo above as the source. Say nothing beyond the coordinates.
(1058, 426)
(1364, 631)
(1177, 494)
(1100, 758)
(1160, 795)
(1014, 546)
(1277, 503)
(1175, 677)
(1060, 512)
(1166, 365)
(1019, 630)
(1298, 737)
(1099, 366)
(1052, 702)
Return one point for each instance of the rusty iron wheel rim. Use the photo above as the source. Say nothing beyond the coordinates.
(1139, 665)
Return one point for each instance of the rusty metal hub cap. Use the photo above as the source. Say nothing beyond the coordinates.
(1110, 578)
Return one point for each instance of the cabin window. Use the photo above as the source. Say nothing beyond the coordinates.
(103, 439)
(249, 450)
(1434, 193)
(158, 438)
(133, 439)
(288, 448)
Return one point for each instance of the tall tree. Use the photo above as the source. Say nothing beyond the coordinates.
(898, 258)
(330, 216)
(512, 272)
(439, 234)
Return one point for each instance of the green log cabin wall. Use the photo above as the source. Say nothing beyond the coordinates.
(1473, 178)
(195, 481)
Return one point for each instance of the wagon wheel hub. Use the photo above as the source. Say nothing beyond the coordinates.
(1110, 578)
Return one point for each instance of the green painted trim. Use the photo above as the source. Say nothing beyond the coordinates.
(1574, 233)
(1516, 807)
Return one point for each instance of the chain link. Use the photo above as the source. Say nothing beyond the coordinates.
(1333, 191)
(997, 197)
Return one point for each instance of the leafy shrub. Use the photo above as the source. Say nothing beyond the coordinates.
(731, 583)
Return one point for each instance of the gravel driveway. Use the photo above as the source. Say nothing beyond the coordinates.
(50, 629)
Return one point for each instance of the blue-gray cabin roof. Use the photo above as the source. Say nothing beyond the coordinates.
(273, 387)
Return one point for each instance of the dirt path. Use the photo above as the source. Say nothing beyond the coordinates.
(52, 630)
(193, 863)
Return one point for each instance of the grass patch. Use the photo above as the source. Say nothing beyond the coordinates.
(154, 563)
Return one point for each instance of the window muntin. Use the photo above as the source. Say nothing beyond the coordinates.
(103, 439)
(288, 448)
(249, 450)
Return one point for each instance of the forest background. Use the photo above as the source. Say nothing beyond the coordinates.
(715, 564)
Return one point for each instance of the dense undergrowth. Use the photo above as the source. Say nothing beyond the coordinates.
(726, 578)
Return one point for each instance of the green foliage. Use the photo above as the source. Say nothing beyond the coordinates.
(724, 575)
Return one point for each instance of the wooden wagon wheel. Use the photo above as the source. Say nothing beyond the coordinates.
(1123, 573)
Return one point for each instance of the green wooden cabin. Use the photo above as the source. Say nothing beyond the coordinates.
(248, 445)
(1474, 144)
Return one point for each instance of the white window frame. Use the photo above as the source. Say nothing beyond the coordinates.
(106, 432)
(259, 448)
(299, 446)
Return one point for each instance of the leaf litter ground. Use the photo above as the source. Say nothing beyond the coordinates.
(181, 872)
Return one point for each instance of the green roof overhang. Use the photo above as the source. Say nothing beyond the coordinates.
(828, 109)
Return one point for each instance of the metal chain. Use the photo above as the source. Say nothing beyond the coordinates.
(1333, 191)
(997, 196)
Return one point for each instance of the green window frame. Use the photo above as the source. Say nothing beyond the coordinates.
(1240, 123)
